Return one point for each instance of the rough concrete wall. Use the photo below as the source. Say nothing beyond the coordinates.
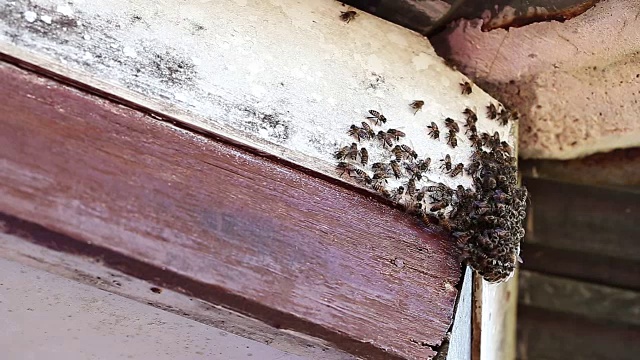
(576, 84)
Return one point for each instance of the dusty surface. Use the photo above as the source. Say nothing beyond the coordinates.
(576, 84)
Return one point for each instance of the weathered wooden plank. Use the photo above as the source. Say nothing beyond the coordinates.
(200, 216)
(583, 219)
(568, 296)
(547, 335)
(595, 268)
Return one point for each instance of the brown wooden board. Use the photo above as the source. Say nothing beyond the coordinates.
(548, 335)
(582, 218)
(198, 215)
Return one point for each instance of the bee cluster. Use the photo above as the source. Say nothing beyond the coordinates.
(486, 220)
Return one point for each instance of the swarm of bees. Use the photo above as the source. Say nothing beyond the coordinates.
(486, 220)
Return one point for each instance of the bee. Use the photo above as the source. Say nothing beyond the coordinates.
(397, 134)
(457, 170)
(353, 151)
(364, 156)
(452, 139)
(379, 166)
(398, 194)
(362, 176)
(506, 148)
(395, 167)
(380, 175)
(504, 117)
(409, 151)
(368, 129)
(466, 88)
(423, 165)
(471, 116)
(346, 168)
(475, 141)
(378, 118)
(342, 153)
(398, 153)
(411, 187)
(358, 133)
(347, 16)
(446, 162)
(386, 139)
(495, 140)
(439, 206)
(451, 124)
(492, 111)
(473, 167)
(417, 105)
(485, 138)
(414, 170)
(434, 132)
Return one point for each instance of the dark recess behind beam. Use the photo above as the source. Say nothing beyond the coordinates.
(430, 16)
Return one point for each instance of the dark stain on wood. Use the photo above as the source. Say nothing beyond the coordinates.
(84, 175)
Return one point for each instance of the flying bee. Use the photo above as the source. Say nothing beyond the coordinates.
(397, 134)
(346, 168)
(417, 105)
(369, 130)
(409, 151)
(386, 139)
(446, 162)
(434, 132)
(358, 133)
(457, 170)
(451, 124)
(471, 116)
(364, 156)
(439, 206)
(466, 88)
(347, 16)
(353, 151)
(342, 153)
(492, 111)
(395, 167)
(452, 139)
(378, 118)
(398, 153)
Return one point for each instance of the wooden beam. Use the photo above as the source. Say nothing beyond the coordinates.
(198, 215)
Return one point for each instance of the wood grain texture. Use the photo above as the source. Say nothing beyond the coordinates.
(548, 335)
(208, 219)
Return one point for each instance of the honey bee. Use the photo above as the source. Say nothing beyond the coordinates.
(378, 118)
(386, 139)
(347, 16)
(475, 141)
(368, 129)
(457, 170)
(346, 168)
(504, 117)
(362, 176)
(379, 166)
(439, 206)
(357, 133)
(446, 162)
(434, 132)
(342, 153)
(395, 167)
(506, 148)
(452, 139)
(451, 124)
(423, 165)
(473, 167)
(398, 194)
(397, 134)
(466, 88)
(411, 187)
(409, 151)
(353, 151)
(486, 138)
(471, 116)
(492, 111)
(398, 153)
(364, 156)
(380, 175)
(414, 170)
(417, 105)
